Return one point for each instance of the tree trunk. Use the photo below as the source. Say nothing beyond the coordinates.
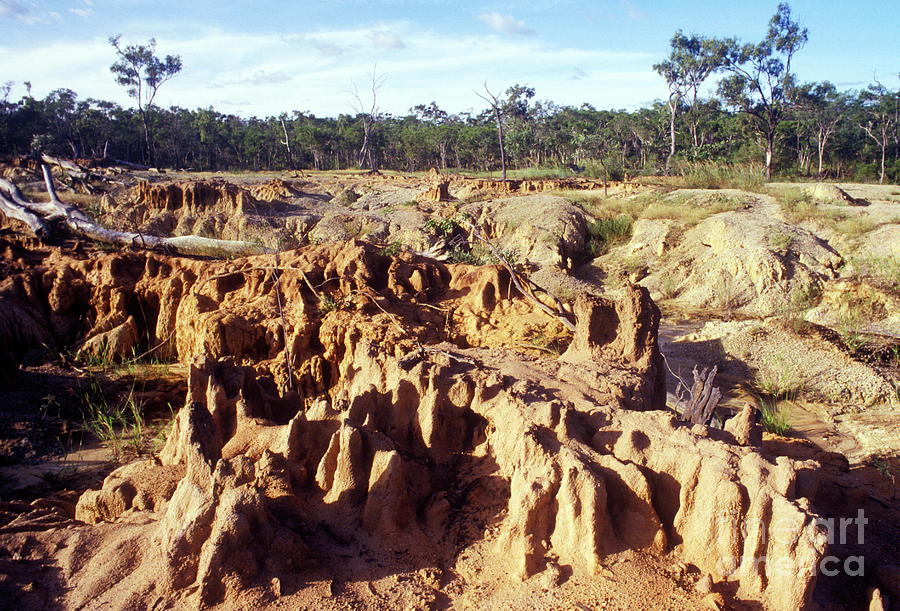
(148, 151)
(672, 109)
(500, 137)
(770, 152)
(287, 145)
(821, 141)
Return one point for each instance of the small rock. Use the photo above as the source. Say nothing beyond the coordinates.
(744, 428)
(888, 577)
(551, 577)
(714, 601)
(877, 601)
(704, 585)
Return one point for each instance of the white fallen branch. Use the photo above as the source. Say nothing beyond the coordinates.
(14, 210)
(37, 215)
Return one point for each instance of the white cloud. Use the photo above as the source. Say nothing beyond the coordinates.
(385, 39)
(13, 9)
(506, 24)
(255, 77)
(267, 74)
(327, 48)
(577, 74)
(84, 13)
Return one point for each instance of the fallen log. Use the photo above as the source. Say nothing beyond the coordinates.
(36, 216)
(69, 166)
(129, 165)
(20, 213)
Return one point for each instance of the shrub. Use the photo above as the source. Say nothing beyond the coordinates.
(796, 204)
(606, 232)
(327, 304)
(393, 249)
(781, 242)
(669, 287)
(119, 425)
(458, 254)
(778, 379)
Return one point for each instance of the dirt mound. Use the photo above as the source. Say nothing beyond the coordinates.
(540, 229)
(830, 194)
(363, 412)
(210, 208)
(858, 305)
(748, 261)
(417, 450)
(438, 192)
(123, 304)
(880, 244)
(785, 361)
(274, 190)
(193, 196)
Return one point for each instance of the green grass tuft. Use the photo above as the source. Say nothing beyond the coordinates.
(773, 419)
(605, 233)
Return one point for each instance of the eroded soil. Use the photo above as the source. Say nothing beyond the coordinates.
(372, 421)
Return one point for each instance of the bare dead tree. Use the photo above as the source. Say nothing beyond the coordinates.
(370, 114)
(497, 108)
(287, 144)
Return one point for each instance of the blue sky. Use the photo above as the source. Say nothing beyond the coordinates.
(262, 57)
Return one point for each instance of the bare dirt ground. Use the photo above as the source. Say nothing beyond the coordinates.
(384, 422)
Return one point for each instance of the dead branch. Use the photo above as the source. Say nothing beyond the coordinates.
(416, 356)
(15, 211)
(276, 281)
(37, 214)
(698, 402)
(523, 284)
(368, 293)
(130, 165)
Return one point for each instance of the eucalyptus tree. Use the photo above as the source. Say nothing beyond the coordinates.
(822, 107)
(760, 80)
(139, 69)
(881, 110)
(498, 112)
(691, 60)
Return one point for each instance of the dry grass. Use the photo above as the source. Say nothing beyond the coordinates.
(716, 175)
(883, 268)
(798, 206)
(686, 208)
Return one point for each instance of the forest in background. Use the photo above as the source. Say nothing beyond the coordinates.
(760, 114)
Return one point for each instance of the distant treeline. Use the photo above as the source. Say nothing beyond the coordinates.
(861, 127)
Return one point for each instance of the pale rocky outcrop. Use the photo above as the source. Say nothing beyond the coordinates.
(542, 229)
(404, 419)
(728, 261)
(577, 475)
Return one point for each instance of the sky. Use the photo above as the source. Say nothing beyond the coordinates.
(262, 58)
